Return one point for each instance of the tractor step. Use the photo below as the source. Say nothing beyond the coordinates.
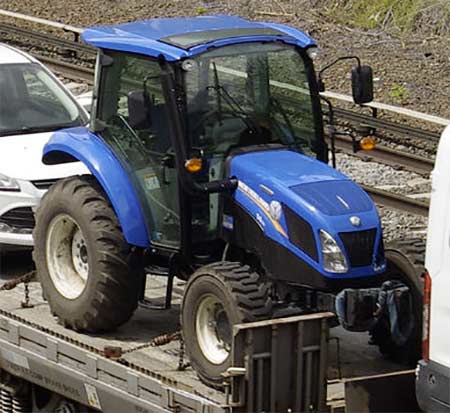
(156, 271)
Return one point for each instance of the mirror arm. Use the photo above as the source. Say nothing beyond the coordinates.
(339, 59)
(331, 129)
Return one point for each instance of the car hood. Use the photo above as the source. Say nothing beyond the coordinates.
(21, 158)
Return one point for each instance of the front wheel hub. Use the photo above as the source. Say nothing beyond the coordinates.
(67, 256)
(213, 330)
(79, 254)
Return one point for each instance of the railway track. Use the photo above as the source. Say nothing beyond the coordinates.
(388, 156)
(68, 70)
(397, 201)
(381, 154)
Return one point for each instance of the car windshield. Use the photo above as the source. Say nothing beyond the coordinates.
(249, 94)
(32, 101)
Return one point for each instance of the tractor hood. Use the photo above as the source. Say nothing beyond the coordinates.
(300, 182)
(289, 194)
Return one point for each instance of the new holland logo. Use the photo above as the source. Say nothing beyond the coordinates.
(355, 221)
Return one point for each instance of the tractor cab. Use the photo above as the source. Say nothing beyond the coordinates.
(176, 113)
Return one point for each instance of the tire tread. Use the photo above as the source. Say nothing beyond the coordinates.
(115, 298)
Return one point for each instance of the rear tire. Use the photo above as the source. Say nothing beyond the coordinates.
(216, 297)
(405, 260)
(82, 258)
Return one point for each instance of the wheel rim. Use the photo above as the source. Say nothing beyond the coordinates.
(67, 256)
(213, 329)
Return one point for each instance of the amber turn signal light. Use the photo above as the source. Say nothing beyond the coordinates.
(367, 144)
(193, 165)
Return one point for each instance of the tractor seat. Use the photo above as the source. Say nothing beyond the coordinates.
(160, 128)
(227, 131)
(250, 137)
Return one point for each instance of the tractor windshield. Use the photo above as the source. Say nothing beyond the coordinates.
(250, 94)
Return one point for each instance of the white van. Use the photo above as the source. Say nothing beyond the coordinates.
(433, 371)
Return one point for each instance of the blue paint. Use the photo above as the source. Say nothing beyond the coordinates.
(102, 163)
(144, 37)
(334, 197)
(288, 168)
(285, 172)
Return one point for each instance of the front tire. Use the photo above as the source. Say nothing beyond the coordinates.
(82, 258)
(405, 260)
(216, 297)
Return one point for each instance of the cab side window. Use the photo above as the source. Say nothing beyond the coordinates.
(146, 154)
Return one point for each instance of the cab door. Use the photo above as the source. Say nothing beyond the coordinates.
(147, 154)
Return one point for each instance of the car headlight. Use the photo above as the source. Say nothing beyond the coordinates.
(333, 258)
(8, 184)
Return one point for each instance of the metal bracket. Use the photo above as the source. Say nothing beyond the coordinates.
(168, 400)
(145, 303)
(91, 366)
(133, 383)
(13, 333)
(52, 349)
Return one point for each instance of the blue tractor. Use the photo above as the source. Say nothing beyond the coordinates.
(208, 163)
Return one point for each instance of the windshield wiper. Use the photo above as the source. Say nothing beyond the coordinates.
(275, 103)
(236, 109)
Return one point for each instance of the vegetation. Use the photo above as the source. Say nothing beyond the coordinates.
(201, 10)
(429, 16)
(399, 93)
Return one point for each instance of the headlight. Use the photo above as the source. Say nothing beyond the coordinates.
(8, 184)
(333, 258)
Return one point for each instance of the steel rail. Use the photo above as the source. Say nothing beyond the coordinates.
(69, 45)
(398, 110)
(397, 201)
(68, 70)
(45, 22)
(388, 156)
(389, 126)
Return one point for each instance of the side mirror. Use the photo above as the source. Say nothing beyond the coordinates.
(139, 110)
(362, 84)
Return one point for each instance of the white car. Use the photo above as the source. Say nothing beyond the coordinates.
(33, 104)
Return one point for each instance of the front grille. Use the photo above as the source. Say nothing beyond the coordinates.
(44, 183)
(300, 233)
(359, 246)
(19, 218)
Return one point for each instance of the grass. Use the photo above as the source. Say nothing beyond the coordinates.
(432, 16)
(398, 92)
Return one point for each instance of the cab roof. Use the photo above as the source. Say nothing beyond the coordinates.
(178, 38)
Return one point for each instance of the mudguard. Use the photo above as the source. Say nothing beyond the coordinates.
(79, 144)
